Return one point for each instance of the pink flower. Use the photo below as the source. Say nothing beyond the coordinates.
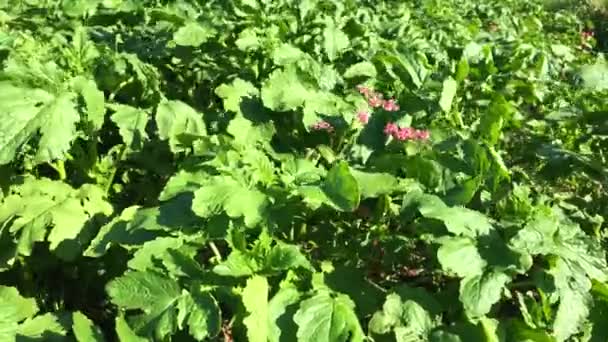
(587, 34)
(363, 117)
(323, 126)
(375, 100)
(391, 105)
(423, 135)
(391, 128)
(364, 90)
(405, 133)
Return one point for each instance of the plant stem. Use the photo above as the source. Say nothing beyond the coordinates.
(216, 251)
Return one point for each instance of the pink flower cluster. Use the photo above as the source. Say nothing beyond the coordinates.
(376, 100)
(405, 133)
(322, 126)
(363, 117)
(586, 35)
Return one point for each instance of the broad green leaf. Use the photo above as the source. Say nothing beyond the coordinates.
(460, 255)
(458, 220)
(232, 93)
(573, 288)
(158, 248)
(447, 94)
(246, 133)
(85, 330)
(278, 258)
(284, 257)
(43, 327)
(93, 99)
(203, 315)
(124, 332)
(174, 119)
(284, 90)
(492, 122)
(27, 112)
(183, 182)
(519, 331)
(255, 300)
(406, 319)
(287, 54)
(324, 318)
(334, 40)
(479, 292)
(595, 76)
(237, 265)
(165, 306)
(341, 187)
(248, 40)
(193, 34)
(375, 184)
(135, 225)
(227, 195)
(462, 70)
(38, 206)
(13, 309)
(366, 69)
(131, 124)
(280, 327)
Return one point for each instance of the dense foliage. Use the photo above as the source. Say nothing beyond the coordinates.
(302, 170)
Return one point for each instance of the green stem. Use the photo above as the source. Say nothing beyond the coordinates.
(111, 178)
(216, 251)
(59, 166)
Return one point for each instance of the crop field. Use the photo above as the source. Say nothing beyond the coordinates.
(303, 170)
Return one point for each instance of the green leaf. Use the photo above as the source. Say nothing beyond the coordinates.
(280, 327)
(175, 119)
(193, 34)
(255, 300)
(366, 69)
(44, 327)
(284, 90)
(447, 94)
(237, 265)
(491, 123)
(573, 288)
(124, 332)
(408, 320)
(232, 94)
(375, 184)
(26, 112)
(158, 248)
(479, 292)
(458, 220)
(595, 76)
(37, 205)
(84, 329)
(324, 318)
(143, 290)
(225, 194)
(13, 309)
(460, 255)
(334, 40)
(462, 70)
(341, 187)
(519, 331)
(93, 99)
(203, 315)
(165, 306)
(287, 54)
(131, 124)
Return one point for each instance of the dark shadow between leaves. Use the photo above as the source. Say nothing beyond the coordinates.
(351, 281)
(285, 322)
